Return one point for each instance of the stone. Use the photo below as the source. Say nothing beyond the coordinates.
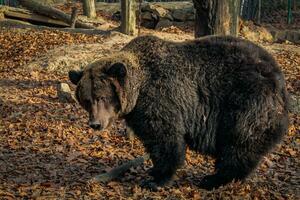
(280, 36)
(179, 15)
(190, 17)
(157, 10)
(64, 93)
(151, 24)
(163, 23)
(294, 104)
(146, 15)
(293, 36)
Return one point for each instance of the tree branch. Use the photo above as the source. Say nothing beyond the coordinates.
(120, 170)
(73, 17)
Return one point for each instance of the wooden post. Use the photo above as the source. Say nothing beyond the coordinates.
(289, 20)
(234, 11)
(140, 17)
(73, 17)
(216, 17)
(89, 8)
(128, 17)
(258, 13)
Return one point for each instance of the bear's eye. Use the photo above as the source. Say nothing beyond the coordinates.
(86, 104)
(104, 99)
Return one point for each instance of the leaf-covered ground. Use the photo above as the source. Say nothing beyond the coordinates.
(47, 151)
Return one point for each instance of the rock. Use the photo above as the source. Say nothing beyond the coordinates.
(294, 104)
(184, 25)
(146, 15)
(179, 15)
(64, 93)
(293, 36)
(280, 35)
(163, 23)
(190, 17)
(157, 10)
(151, 24)
(116, 16)
(283, 35)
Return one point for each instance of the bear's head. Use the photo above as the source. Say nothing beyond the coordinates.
(107, 89)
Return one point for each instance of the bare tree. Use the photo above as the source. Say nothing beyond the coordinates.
(89, 8)
(128, 17)
(251, 10)
(216, 17)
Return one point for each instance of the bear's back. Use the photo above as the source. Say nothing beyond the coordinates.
(213, 61)
(208, 52)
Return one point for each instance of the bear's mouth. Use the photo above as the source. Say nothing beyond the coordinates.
(99, 127)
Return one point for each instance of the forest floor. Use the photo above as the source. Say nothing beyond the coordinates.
(47, 151)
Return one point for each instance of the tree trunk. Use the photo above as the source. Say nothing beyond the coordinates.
(128, 17)
(41, 9)
(250, 9)
(89, 8)
(295, 5)
(120, 170)
(216, 17)
(258, 13)
(289, 19)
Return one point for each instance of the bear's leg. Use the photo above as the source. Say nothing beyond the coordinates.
(233, 164)
(241, 147)
(167, 156)
(240, 156)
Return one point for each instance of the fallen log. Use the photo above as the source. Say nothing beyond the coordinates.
(73, 17)
(25, 15)
(8, 23)
(34, 17)
(41, 9)
(120, 170)
(13, 23)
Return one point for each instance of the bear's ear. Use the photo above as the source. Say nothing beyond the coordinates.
(117, 70)
(75, 76)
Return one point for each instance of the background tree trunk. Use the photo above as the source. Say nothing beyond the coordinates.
(89, 8)
(295, 5)
(289, 19)
(258, 13)
(250, 9)
(128, 17)
(216, 17)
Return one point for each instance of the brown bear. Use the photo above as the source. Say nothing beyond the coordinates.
(219, 95)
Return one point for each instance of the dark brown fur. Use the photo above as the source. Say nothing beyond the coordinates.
(221, 96)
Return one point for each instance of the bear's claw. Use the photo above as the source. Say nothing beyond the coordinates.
(150, 185)
(210, 182)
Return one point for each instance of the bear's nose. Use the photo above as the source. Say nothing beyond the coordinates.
(96, 126)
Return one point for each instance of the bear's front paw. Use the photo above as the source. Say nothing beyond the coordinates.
(153, 172)
(210, 182)
(150, 185)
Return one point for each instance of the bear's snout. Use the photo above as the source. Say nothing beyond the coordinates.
(95, 125)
